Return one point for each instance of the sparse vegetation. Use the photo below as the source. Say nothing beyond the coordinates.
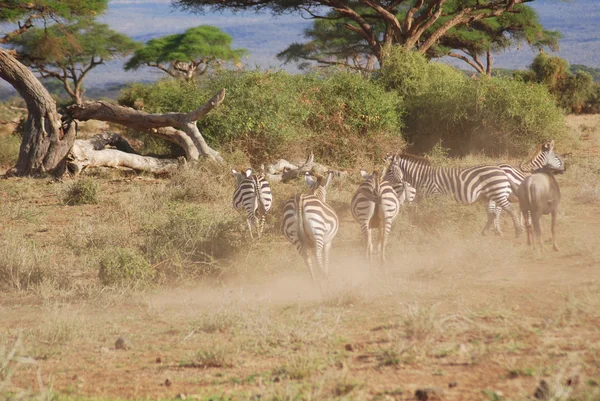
(84, 191)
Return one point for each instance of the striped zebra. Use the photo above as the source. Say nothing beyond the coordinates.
(544, 157)
(311, 224)
(253, 194)
(404, 190)
(466, 184)
(375, 205)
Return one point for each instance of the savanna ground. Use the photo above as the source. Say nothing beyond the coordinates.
(482, 318)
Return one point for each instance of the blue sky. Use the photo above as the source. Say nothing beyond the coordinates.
(264, 35)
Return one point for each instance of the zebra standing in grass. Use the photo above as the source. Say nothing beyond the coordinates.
(393, 174)
(253, 194)
(467, 184)
(311, 224)
(375, 204)
(544, 157)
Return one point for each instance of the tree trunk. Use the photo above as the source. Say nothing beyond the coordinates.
(46, 142)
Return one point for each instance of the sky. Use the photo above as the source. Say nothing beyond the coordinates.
(264, 35)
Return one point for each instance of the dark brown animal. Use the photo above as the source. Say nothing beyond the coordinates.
(539, 194)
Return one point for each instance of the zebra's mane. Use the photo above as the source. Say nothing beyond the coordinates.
(413, 158)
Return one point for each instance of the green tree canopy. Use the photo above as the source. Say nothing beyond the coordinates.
(25, 13)
(571, 90)
(330, 43)
(69, 52)
(480, 38)
(414, 24)
(187, 54)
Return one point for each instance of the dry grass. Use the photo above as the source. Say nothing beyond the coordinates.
(485, 312)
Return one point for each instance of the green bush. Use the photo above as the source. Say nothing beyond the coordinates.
(493, 115)
(191, 240)
(81, 192)
(124, 266)
(274, 114)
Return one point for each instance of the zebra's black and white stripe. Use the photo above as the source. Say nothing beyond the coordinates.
(404, 190)
(466, 185)
(311, 224)
(544, 157)
(253, 194)
(375, 205)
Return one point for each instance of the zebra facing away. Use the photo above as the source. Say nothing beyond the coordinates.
(375, 205)
(253, 194)
(466, 184)
(544, 157)
(311, 224)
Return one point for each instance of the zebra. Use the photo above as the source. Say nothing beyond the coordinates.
(375, 204)
(253, 194)
(311, 224)
(404, 190)
(544, 157)
(466, 184)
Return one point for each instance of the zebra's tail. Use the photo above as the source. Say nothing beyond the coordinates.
(302, 234)
(259, 205)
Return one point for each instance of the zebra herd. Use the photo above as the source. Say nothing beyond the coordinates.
(310, 224)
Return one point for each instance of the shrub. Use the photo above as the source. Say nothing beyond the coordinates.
(275, 114)
(21, 264)
(191, 240)
(81, 192)
(493, 115)
(124, 266)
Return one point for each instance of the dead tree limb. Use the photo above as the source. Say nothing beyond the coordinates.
(93, 153)
(179, 128)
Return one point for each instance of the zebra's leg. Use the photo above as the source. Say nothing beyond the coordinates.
(250, 221)
(490, 222)
(537, 230)
(498, 213)
(261, 225)
(369, 234)
(554, 246)
(508, 208)
(383, 234)
(319, 256)
(326, 250)
(305, 253)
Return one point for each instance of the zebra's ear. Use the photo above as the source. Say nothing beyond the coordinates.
(234, 171)
(248, 172)
(310, 181)
(364, 174)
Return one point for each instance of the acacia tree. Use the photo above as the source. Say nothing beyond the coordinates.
(473, 42)
(405, 22)
(46, 139)
(187, 54)
(69, 52)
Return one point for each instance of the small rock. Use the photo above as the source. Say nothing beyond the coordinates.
(430, 393)
(452, 384)
(349, 347)
(122, 343)
(104, 349)
(181, 396)
(573, 381)
(158, 360)
(168, 382)
(276, 380)
(542, 392)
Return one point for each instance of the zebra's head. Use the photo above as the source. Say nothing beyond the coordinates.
(393, 172)
(318, 184)
(241, 176)
(544, 158)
